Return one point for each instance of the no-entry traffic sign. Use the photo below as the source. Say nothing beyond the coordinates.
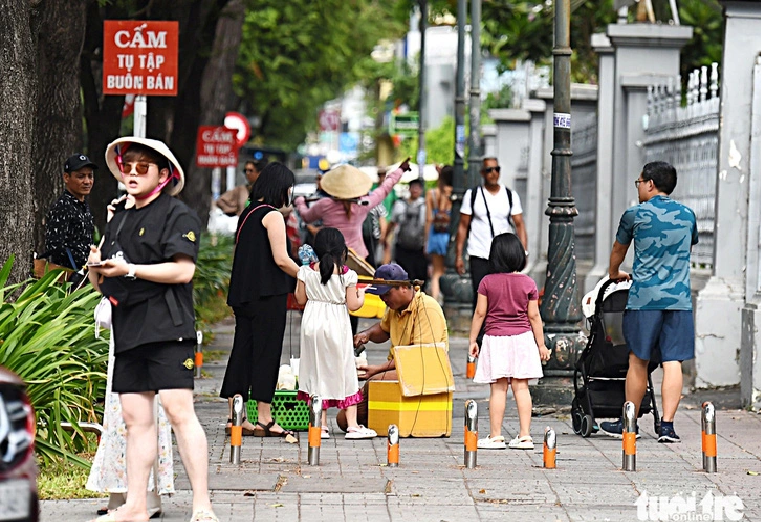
(140, 57)
(216, 147)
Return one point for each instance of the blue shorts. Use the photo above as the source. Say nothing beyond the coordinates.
(437, 242)
(671, 331)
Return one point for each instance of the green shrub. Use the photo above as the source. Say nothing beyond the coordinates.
(212, 278)
(47, 338)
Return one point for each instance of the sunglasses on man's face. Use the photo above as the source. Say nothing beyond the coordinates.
(487, 170)
(141, 169)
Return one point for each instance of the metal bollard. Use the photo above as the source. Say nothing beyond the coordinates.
(236, 436)
(315, 430)
(393, 446)
(470, 368)
(471, 433)
(629, 437)
(703, 432)
(709, 421)
(548, 455)
(199, 353)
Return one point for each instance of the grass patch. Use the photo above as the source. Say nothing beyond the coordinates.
(62, 479)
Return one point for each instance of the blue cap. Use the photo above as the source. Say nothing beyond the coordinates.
(390, 272)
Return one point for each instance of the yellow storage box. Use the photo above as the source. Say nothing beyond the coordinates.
(420, 402)
(373, 308)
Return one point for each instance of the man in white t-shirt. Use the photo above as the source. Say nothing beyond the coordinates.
(492, 212)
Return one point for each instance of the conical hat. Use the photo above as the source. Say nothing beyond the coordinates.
(120, 145)
(346, 182)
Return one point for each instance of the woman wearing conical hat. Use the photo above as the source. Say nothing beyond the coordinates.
(348, 186)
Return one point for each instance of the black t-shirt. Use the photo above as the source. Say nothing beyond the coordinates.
(255, 273)
(145, 311)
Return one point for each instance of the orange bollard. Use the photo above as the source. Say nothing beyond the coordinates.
(548, 454)
(471, 433)
(470, 368)
(315, 431)
(393, 446)
(629, 438)
(709, 416)
(199, 354)
(236, 435)
(703, 432)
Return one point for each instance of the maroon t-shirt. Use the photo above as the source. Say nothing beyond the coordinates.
(508, 296)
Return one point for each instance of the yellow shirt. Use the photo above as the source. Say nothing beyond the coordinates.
(422, 322)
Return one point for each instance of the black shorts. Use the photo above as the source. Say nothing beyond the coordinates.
(155, 366)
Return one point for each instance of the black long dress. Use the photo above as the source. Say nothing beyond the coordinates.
(258, 295)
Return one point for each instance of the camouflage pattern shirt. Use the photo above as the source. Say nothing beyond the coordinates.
(663, 232)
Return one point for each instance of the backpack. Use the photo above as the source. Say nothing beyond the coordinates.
(410, 232)
(473, 193)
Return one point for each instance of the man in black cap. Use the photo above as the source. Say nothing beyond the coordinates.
(69, 223)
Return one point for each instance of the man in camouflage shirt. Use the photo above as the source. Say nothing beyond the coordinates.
(659, 310)
(69, 223)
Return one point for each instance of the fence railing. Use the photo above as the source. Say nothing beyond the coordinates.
(688, 138)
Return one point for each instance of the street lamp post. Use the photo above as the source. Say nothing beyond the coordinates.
(474, 143)
(422, 93)
(560, 306)
(457, 290)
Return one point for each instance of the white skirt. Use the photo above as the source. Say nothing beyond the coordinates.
(508, 356)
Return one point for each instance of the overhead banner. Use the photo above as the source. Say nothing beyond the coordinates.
(140, 57)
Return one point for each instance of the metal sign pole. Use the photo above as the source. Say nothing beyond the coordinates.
(140, 121)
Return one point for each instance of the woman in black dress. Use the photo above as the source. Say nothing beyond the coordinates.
(262, 277)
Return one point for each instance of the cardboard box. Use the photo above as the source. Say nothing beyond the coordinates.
(420, 402)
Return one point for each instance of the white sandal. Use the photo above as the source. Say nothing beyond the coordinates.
(494, 443)
(360, 432)
(522, 443)
(325, 434)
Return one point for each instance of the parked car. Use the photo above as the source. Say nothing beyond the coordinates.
(18, 468)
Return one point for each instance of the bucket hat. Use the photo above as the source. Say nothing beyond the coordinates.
(119, 146)
(346, 182)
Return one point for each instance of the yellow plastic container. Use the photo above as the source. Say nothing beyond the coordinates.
(373, 308)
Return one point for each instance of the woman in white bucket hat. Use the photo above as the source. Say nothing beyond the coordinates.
(145, 267)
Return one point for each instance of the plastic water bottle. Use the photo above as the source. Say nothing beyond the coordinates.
(307, 255)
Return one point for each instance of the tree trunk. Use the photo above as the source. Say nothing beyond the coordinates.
(103, 114)
(216, 98)
(58, 130)
(17, 92)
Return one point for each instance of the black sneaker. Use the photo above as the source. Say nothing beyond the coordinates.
(668, 435)
(614, 429)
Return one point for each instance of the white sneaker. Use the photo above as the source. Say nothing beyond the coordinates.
(494, 443)
(522, 443)
(325, 433)
(360, 432)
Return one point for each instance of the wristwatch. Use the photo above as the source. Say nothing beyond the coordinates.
(131, 273)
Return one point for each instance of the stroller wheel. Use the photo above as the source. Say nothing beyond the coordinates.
(587, 425)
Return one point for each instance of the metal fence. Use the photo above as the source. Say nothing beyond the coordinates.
(584, 183)
(688, 138)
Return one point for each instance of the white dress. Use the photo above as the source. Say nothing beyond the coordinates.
(327, 366)
(108, 473)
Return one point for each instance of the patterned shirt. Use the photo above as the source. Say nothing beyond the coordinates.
(663, 232)
(69, 225)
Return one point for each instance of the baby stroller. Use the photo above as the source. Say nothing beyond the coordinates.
(602, 366)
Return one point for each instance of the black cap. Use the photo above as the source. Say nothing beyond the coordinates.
(76, 162)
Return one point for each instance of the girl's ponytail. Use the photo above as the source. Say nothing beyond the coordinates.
(330, 247)
(327, 264)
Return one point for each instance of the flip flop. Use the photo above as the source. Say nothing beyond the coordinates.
(204, 516)
(266, 430)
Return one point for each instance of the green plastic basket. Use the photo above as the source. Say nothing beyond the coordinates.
(288, 411)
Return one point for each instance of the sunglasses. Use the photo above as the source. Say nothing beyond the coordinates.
(141, 169)
(490, 169)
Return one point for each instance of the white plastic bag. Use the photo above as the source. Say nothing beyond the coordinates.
(102, 315)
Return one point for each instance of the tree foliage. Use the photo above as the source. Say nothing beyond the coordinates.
(297, 55)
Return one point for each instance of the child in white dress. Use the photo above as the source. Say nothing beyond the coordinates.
(327, 366)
